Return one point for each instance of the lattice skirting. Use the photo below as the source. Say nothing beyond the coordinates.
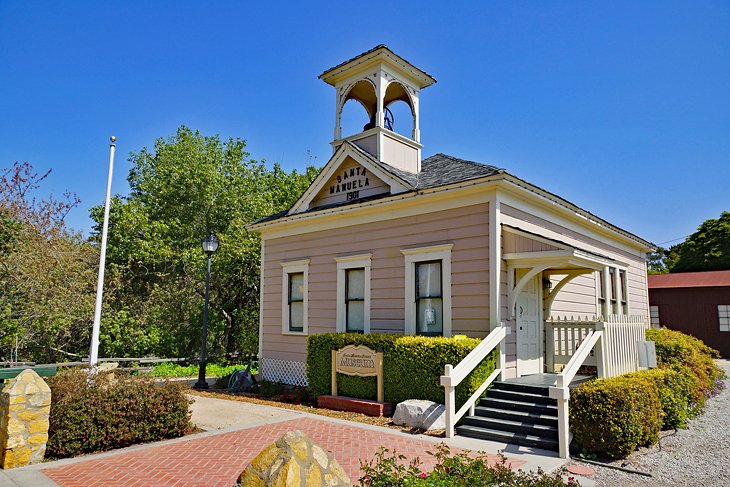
(286, 371)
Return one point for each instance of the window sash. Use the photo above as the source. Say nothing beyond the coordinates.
(292, 302)
(429, 303)
(350, 300)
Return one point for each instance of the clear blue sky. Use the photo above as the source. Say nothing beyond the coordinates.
(620, 107)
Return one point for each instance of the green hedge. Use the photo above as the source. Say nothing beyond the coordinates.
(412, 366)
(613, 417)
(675, 394)
(690, 357)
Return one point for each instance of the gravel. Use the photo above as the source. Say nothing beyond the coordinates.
(698, 455)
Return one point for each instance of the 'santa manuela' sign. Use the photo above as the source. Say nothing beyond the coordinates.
(351, 181)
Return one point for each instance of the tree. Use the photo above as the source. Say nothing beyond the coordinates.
(47, 271)
(708, 249)
(184, 187)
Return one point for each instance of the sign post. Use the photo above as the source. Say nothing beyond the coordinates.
(360, 361)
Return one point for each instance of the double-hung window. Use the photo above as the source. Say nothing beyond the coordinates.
(624, 289)
(353, 293)
(429, 298)
(294, 297)
(428, 290)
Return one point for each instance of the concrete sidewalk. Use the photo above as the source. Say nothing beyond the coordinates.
(235, 433)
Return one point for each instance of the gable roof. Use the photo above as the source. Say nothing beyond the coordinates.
(690, 279)
(436, 171)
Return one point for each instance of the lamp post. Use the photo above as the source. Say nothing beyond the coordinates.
(210, 245)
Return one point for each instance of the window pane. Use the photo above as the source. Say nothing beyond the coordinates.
(428, 279)
(622, 284)
(355, 283)
(356, 316)
(296, 286)
(296, 316)
(612, 281)
(430, 316)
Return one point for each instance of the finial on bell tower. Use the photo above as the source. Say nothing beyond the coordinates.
(377, 78)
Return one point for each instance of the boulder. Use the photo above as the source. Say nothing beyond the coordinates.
(421, 414)
(294, 461)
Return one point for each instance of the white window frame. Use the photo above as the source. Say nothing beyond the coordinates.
(614, 303)
(413, 255)
(361, 261)
(294, 267)
(723, 315)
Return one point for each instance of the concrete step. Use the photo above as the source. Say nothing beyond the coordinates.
(538, 430)
(520, 396)
(510, 405)
(520, 416)
(512, 438)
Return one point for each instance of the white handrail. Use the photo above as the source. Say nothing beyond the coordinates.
(561, 392)
(453, 376)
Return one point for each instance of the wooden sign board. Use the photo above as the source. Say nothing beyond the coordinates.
(360, 361)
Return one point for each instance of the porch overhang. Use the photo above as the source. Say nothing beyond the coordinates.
(569, 263)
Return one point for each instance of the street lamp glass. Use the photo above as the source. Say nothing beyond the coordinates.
(210, 243)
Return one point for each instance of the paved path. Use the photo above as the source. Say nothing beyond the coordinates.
(235, 433)
(217, 460)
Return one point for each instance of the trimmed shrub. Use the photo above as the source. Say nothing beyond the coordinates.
(692, 358)
(613, 417)
(113, 411)
(675, 393)
(412, 366)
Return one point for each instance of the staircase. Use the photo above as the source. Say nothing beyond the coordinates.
(519, 414)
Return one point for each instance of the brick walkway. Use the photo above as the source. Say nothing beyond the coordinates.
(217, 460)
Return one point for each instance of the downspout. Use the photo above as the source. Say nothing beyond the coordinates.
(261, 300)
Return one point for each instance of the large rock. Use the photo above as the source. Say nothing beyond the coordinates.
(418, 413)
(294, 461)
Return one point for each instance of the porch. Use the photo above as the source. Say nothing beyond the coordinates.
(532, 409)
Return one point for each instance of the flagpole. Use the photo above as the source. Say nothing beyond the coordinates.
(94, 355)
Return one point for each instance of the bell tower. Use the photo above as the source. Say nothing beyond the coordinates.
(377, 78)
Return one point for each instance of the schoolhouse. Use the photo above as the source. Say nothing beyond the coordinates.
(385, 241)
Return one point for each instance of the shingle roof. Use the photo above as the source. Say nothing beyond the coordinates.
(441, 169)
(690, 279)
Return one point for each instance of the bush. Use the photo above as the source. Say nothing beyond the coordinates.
(613, 417)
(675, 393)
(412, 366)
(113, 411)
(692, 358)
(388, 470)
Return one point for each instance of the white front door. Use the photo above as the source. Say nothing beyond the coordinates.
(529, 328)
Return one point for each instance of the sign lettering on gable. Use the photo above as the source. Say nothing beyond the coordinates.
(350, 181)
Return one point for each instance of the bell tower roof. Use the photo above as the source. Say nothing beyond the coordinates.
(378, 54)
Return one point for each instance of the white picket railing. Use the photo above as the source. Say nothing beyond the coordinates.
(623, 335)
(453, 375)
(563, 337)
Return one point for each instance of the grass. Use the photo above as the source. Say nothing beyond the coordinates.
(176, 370)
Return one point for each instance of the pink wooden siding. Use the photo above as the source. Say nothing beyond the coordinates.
(466, 227)
(512, 243)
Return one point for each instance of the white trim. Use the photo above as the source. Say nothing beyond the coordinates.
(261, 297)
(287, 268)
(344, 151)
(413, 255)
(352, 262)
(495, 262)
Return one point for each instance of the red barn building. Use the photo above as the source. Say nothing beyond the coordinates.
(696, 303)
